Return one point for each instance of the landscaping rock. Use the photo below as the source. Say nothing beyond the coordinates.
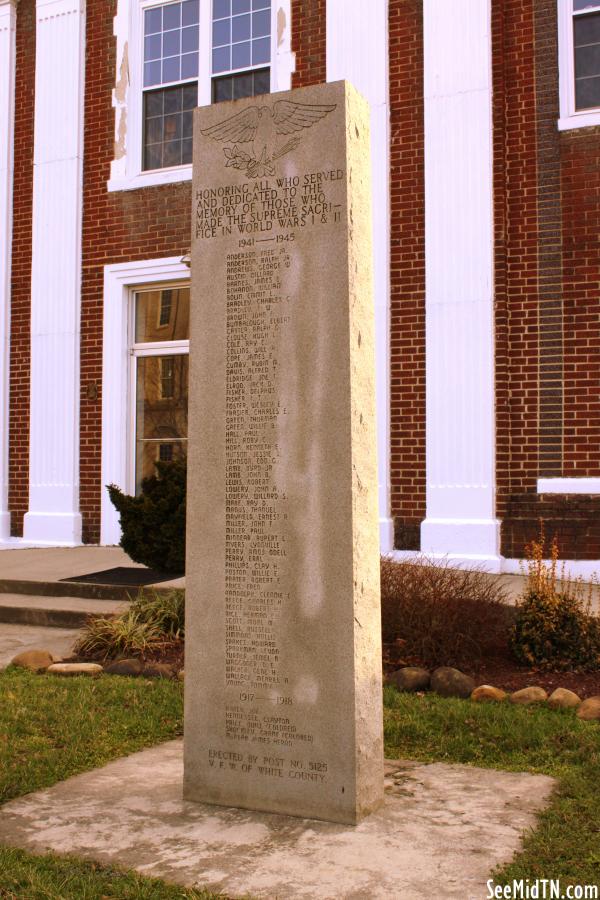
(158, 670)
(562, 698)
(124, 667)
(486, 693)
(449, 682)
(410, 679)
(529, 695)
(181, 675)
(92, 669)
(34, 660)
(589, 709)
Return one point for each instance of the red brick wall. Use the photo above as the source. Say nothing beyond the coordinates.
(580, 155)
(309, 42)
(547, 210)
(407, 271)
(21, 267)
(141, 224)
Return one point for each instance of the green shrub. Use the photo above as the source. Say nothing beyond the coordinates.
(165, 610)
(153, 524)
(124, 635)
(554, 628)
(443, 616)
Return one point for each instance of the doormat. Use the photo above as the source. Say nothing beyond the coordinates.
(125, 576)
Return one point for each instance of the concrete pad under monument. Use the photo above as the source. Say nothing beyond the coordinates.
(440, 833)
(283, 652)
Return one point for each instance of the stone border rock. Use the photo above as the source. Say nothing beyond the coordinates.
(448, 682)
(42, 661)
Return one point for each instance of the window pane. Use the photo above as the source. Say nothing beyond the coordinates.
(261, 24)
(189, 65)
(172, 100)
(190, 12)
(243, 86)
(161, 412)
(585, 4)
(261, 51)
(221, 8)
(186, 151)
(189, 39)
(187, 127)
(262, 81)
(240, 6)
(153, 20)
(240, 55)
(222, 89)
(587, 60)
(152, 73)
(153, 156)
(240, 28)
(221, 32)
(587, 93)
(247, 84)
(190, 96)
(171, 43)
(152, 47)
(171, 70)
(261, 4)
(221, 60)
(171, 16)
(150, 313)
(587, 30)
(154, 130)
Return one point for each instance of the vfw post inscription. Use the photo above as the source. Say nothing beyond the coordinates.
(283, 656)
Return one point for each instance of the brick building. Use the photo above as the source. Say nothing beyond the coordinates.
(486, 183)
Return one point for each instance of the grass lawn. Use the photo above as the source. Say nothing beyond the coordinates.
(566, 844)
(51, 728)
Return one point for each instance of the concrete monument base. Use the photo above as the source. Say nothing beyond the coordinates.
(439, 833)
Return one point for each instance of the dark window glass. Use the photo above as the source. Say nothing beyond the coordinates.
(246, 84)
(587, 61)
(168, 126)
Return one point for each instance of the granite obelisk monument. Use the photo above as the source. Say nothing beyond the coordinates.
(283, 637)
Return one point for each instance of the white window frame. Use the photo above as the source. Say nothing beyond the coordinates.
(120, 280)
(126, 167)
(138, 350)
(570, 117)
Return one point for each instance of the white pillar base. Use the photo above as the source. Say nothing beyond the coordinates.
(4, 526)
(386, 535)
(462, 537)
(54, 529)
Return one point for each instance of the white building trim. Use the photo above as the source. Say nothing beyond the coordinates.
(459, 240)
(8, 24)
(126, 168)
(119, 280)
(357, 50)
(53, 515)
(569, 116)
(568, 486)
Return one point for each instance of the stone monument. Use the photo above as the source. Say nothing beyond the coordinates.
(283, 652)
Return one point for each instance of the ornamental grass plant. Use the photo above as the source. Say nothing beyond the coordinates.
(555, 628)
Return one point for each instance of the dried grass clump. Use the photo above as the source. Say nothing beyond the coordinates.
(443, 615)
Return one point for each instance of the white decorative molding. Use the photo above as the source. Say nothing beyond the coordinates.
(126, 168)
(568, 486)
(570, 118)
(357, 50)
(501, 565)
(459, 240)
(8, 22)
(119, 279)
(53, 515)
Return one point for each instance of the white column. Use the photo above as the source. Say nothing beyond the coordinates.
(53, 515)
(459, 242)
(8, 16)
(357, 50)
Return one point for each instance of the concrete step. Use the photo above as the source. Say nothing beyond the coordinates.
(57, 612)
(79, 589)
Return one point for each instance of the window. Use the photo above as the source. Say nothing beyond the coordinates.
(160, 379)
(177, 54)
(579, 57)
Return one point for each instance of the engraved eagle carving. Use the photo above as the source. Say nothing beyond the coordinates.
(262, 127)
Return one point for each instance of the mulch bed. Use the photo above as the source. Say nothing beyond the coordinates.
(505, 673)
